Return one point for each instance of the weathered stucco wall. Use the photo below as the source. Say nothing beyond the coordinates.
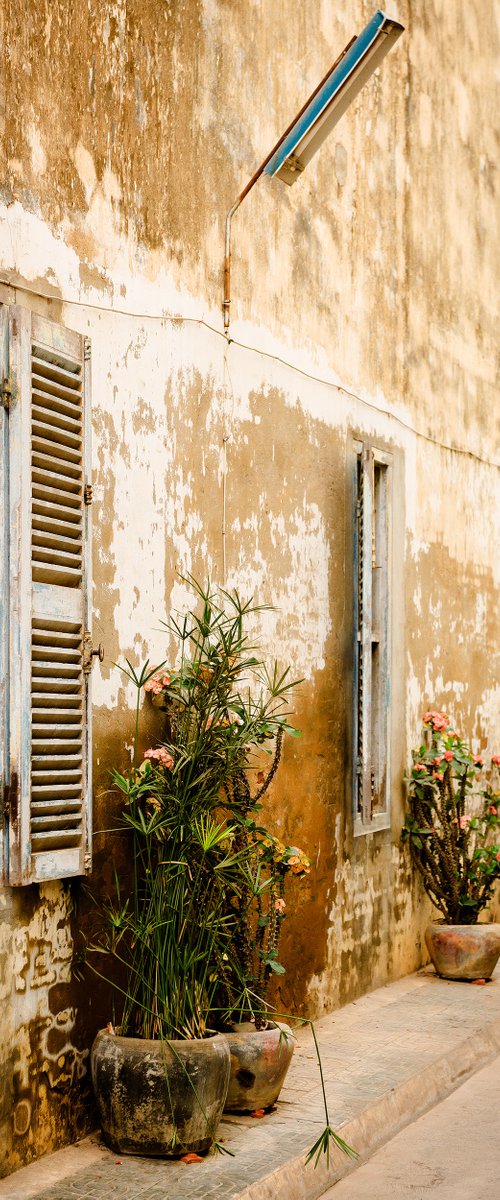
(364, 304)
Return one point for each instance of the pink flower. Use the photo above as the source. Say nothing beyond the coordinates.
(160, 756)
(437, 761)
(419, 767)
(280, 905)
(437, 775)
(157, 683)
(464, 821)
(492, 809)
(438, 720)
(498, 856)
(478, 759)
(496, 760)
(448, 755)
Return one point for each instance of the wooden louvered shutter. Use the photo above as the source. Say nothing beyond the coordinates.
(364, 632)
(49, 729)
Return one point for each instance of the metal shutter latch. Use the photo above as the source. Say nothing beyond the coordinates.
(89, 652)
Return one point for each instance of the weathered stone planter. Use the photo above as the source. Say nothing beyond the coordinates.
(145, 1092)
(463, 951)
(259, 1062)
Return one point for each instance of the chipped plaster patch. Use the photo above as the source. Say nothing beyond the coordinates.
(84, 164)
(38, 155)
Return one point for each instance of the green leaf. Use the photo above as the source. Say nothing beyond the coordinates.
(275, 966)
(322, 1146)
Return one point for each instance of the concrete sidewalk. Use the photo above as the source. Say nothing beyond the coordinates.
(387, 1058)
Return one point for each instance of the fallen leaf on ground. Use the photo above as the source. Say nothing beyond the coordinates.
(259, 1112)
(191, 1157)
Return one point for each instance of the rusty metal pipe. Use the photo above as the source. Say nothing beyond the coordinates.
(226, 303)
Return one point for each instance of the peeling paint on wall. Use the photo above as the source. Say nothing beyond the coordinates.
(365, 304)
(42, 1061)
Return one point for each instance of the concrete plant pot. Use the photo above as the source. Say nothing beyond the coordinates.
(159, 1098)
(259, 1062)
(464, 952)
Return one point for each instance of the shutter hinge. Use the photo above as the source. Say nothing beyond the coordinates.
(7, 392)
(11, 799)
(5, 809)
(86, 348)
(87, 862)
(87, 493)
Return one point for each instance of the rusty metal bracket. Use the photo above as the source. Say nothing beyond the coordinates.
(89, 652)
(7, 393)
(87, 493)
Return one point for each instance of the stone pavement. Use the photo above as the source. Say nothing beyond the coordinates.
(387, 1058)
(451, 1153)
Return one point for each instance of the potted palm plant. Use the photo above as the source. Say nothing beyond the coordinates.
(453, 830)
(172, 936)
(191, 939)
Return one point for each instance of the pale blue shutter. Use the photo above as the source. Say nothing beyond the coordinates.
(49, 769)
(365, 551)
(4, 582)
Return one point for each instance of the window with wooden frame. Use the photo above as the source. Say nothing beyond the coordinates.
(372, 573)
(45, 646)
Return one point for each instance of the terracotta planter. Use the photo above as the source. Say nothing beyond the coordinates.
(145, 1095)
(259, 1062)
(463, 951)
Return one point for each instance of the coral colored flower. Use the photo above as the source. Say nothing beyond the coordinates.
(157, 683)
(438, 720)
(437, 761)
(419, 767)
(496, 760)
(492, 809)
(280, 905)
(498, 856)
(464, 821)
(448, 755)
(478, 759)
(437, 775)
(160, 756)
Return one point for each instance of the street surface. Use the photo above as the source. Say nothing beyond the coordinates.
(451, 1153)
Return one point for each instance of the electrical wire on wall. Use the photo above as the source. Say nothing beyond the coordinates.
(179, 319)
